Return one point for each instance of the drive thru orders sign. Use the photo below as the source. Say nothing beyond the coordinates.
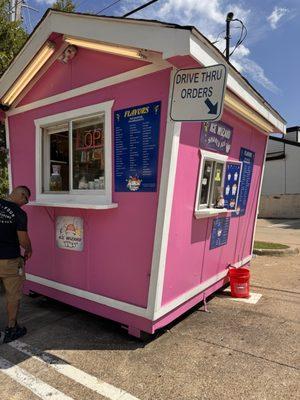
(198, 94)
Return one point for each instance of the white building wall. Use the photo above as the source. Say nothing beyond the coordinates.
(292, 166)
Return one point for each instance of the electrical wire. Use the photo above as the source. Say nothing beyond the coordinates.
(242, 37)
(110, 5)
(216, 41)
(139, 8)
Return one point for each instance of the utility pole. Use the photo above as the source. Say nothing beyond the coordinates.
(16, 7)
(228, 37)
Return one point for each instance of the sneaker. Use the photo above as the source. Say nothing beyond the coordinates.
(11, 334)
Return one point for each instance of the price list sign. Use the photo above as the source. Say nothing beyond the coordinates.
(219, 233)
(247, 158)
(136, 135)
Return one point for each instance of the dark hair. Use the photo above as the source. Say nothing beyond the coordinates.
(24, 188)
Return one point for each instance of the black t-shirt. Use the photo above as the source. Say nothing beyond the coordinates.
(12, 219)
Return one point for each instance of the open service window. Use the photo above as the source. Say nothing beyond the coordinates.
(218, 184)
(73, 157)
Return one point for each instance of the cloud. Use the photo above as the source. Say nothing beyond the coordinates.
(276, 16)
(47, 2)
(209, 17)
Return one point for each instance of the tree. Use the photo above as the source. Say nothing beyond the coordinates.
(12, 39)
(64, 5)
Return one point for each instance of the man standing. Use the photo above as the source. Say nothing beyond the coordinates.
(13, 234)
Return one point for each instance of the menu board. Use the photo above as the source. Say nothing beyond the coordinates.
(247, 158)
(219, 233)
(231, 184)
(136, 148)
(216, 136)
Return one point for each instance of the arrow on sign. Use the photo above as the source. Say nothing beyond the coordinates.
(213, 108)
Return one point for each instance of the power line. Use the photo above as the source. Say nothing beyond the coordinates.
(110, 5)
(242, 37)
(139, 8)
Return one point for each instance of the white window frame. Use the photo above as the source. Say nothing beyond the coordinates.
(203, 211)
(103, 197)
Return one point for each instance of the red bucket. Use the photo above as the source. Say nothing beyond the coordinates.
(239, 282)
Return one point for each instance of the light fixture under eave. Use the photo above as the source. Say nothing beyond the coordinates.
(33, 68)
(107, 48)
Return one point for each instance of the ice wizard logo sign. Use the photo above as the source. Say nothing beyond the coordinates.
(216, 136)
(69, 233)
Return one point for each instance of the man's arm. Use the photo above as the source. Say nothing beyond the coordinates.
(24, 241)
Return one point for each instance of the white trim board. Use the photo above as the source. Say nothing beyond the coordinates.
(9, 169)
(130, 308)
(96, 298)
(101, 84)
(194, 292)
(164, 210)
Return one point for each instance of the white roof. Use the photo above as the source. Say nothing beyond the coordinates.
(168, 39)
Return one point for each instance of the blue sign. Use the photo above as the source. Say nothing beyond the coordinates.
(247, 158)
(219, 233)
(216, 136)
(136, 148)
(231, 184)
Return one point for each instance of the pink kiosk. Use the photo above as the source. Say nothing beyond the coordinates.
(134, 216)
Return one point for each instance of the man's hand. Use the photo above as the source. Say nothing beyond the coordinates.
(25, 243)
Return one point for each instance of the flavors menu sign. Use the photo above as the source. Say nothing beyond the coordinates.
(216, 136)
(136, 134)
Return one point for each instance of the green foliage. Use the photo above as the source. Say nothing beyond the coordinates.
(12, 38)
(64, 5)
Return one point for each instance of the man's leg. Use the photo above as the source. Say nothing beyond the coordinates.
(13, 282)
(12, 313)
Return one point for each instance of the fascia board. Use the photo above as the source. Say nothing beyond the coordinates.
(25, 56)
(206, 56)
(168, 41)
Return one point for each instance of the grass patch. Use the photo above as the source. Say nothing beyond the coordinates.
(269, 245)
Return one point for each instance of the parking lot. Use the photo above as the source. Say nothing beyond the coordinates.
(236, 350)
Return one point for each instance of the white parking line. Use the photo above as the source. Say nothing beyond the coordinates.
(77, 375)
(35, 385)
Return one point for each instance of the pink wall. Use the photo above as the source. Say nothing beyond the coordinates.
(87, 67)
(189, 259)
(117, 256)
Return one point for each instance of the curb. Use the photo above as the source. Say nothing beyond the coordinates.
(291, 251)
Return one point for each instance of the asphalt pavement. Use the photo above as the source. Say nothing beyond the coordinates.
(236, 350)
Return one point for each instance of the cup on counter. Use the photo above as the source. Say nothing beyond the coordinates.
(96, 184)
(101, 182)
(91, 185)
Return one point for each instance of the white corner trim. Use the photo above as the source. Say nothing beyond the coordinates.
(207, 57)
(9, 168)
(195, 291)
(96, 298)
(259, 194)
(106, 195)
(101, 84)
(164, 210)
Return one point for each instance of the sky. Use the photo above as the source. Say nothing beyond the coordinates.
(269, 57)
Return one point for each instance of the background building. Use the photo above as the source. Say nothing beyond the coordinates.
(281, 185)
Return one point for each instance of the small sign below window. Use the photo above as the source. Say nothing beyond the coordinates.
(216, 136)
(219, 233)
(69, 233)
